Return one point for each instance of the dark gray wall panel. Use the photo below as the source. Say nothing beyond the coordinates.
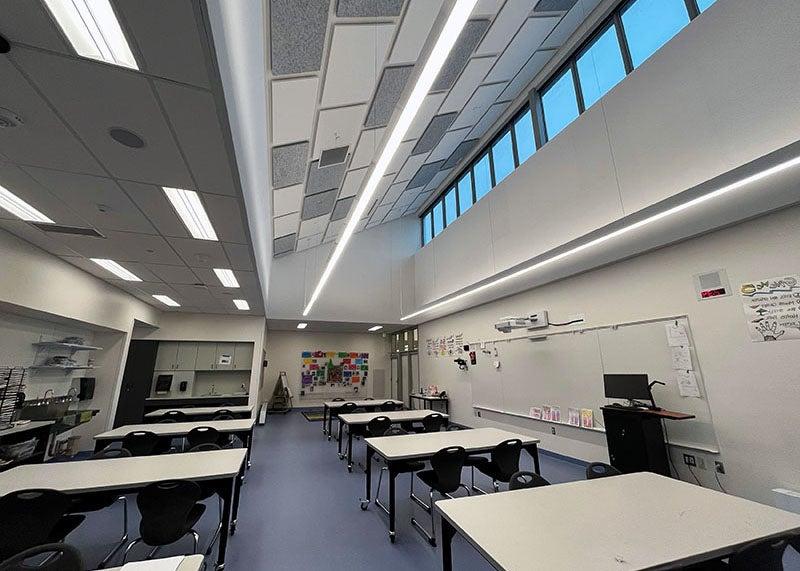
(289, 164)
(390, 88)
(434, 133)
(460, 54)
(297, 34)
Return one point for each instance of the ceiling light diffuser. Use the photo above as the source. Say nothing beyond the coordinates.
(19, 208)
(226, 277)
(166, 300)
(116, 269)
(190, 210)
(241, 304)
(92, 27)
(302, 325)
(375, 328)
(444, 44)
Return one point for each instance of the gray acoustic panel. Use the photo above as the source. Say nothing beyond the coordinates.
(289, 164)
(283, 244)
(342, 208)
(390, 88)
(298, 35)
(322, 179)
(460, 54)
(554, 5)
(425, 174)
(318, 204)
(330, 157)
(368, 8)
(462, 150)
(434, 133)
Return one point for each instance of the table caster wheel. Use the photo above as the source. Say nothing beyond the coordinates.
(233, 527)
(364, 504)
(391, 536)
(350, 469)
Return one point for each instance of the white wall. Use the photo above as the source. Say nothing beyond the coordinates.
(284, 349)
(752, 387)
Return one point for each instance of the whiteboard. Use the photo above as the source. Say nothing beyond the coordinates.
(566, 370)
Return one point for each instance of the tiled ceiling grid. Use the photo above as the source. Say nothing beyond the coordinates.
(338, 68)
(62, 160)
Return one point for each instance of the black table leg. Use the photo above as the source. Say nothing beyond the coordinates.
(448, 531)
(340, 441)
(226, 493)
(237, 489)
(325, 420)
(349, 449)
(366, 499)
(392, 476)
(100, 444)
(248, 442)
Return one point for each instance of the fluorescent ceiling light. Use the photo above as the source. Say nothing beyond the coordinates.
(241, 304)
(190, 209)
(116, 269)
(18, 207)
(616, 234)
(444, 44)
(302, 325)
(226, 277)
(166, 300)
(92, 27)
(375, 328)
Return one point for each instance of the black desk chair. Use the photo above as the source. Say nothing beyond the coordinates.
(504, 462)
(202, 435)
(224, 440)
(47, 557)
(522, 480)
(390, 406)
(169, 511)
(763, 555)
(431, 423)
(34, 517)
(444, 478)
(346, 408)
(402, 467)
(208, 490)
(600, 470)
(175, 415)
(142, 443)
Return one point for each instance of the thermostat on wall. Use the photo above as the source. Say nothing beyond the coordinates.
(712, 284)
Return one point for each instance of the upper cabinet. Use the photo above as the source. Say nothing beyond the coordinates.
(176, 356)
(224, 360)
(243, 356)
(206, 356)
(187, 356)
(203, 356)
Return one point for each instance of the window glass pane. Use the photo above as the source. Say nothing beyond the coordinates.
(483, 177)
(649, 24)
(438, 219)
(703, 4)
(560, 104)
(523, 131)
(450, 211)
(600, 67)
(503, 157)
(426, 228)
(465, 193)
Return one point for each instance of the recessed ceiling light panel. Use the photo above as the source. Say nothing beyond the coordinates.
(166, 300)
(375, 328)
(116, 269)
(190, 210)
(226, 277)
(302, 325)
(19, 208)
(241, 304)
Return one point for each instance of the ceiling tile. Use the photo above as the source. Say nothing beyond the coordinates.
(194, 295)
(380, 191)
(334, 229)
(173, 274)
(487, 7)
(486, 122)
(529, 38)
(411, 167)
(479, 103)
(227, 217)
(352, 182)
(153, 203)
(309, 242)
(425, 174)
(200, 253)
(284, 244)
(419, 201)
(387, 96)
(555, 5)
(239, 256)
(393, 193)
(434, 133)
(460, 54)
(367, 147)
(415, 29)
(143, 248)
(318, 204)
(354, 61)
(505, 25)
(394, 214)
(448, 144)
(338, 127)
(400, 156)
(331, 157)
(438, 179)
(312, 227)
(284, 225)
(49, 242)
(297, 35)
(139, 270)
(30, 23)
(342, 208)
(523, 78)
(568, 24)
(323, 179)
(287, 200)
(293, 106)
(361, 225)
(289, 164)
(465, 86)
(34, 193)
(368, 8)
(407, 198)
(378, 215)
(427, 110)
(461, 151)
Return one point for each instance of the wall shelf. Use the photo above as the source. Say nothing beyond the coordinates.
(527, 416)
(70, 346)
(60, 368)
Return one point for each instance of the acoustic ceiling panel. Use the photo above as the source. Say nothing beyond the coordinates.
(368, 8)
(313, 227)
(200, 253)
(293, 107)
(309, 242)
(461, 151)
(413, 164)
(438, 179)
(554, 5)
(434, 133)
(298, 35)
(366, 148)
(465, 86)
(420, 200)
(460, 54)
(391, 86)
(393, 193)
(318, 204)
(400, 156)
(283, 225)
(338, 127)
(342, 208)
(286, 200)
(330, 157)
(481, 100)
(322, 179)
(530, 37)
(239, 256)
(284, 244)
(568, 24)
(416, 26)
(523, 78)
(425, 174)
(225, 213)
(289, 164)
(504, 26)
(448, 144)
(488, 120)
(427, 110)
(352, 182)
(407, 198)
(333, 231)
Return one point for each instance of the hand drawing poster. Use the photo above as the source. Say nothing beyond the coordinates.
(332, 372)
(772, 308)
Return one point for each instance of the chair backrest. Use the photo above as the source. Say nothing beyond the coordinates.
(505, 456)
(347, 408)
(165, 507)
(389, 406)
(167, 421)
(395, 431)
(447, 463)
(433, 422)
(176, 415)
(205, 447)
(108, 453)
(600, 470)
(338, 399)
(369, 398)
(60, 557)
(224, 414)
(140, 442)
(378, 426)
(202, 435)
(764, 555)
(28, 517)
(454, 427)
(522, 479)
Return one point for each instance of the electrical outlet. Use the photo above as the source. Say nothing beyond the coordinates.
(719, 467)
(701, 462)
(689, 460)
(552, 429)
(478, 413)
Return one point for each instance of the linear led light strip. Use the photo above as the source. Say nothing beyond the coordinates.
(226, 277)
(444, 44)
(615, 234)
(18, 207)
(241, 304)
(190, 209)
(116, 269)
(166, 300)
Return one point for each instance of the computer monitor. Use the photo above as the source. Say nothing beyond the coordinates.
(627, 386)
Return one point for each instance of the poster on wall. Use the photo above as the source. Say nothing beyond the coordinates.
(772, 308)
(446, 346)
(333, 372)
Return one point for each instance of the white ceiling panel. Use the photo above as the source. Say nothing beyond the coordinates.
(379, 214)
(568, 24)
(239, 256)
(293, 106)
(200, 253)
(143, 248)
(139, 270)
(427, 110)
(30, 23)
(334, 229)
(407, 198)
(417, 23)
(354, 62)
(287, 224)
(153, 203)
(173, 274)
(411, 167)
(226, 215)
(352, 182)
(338, 127)
(312, 226)
(393, 193)
(31, 191)
(487, 7)
(437, 179)
(529, 38)
(489, 119)
(48, 242)
(286, 200)
(380, 191)
(505, 25)
(448, 144)
(367, 147)
(479, 103)
(465, 86)
(309, 242)
(400, 156)
(523, 78)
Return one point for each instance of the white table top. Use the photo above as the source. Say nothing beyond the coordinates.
(427, 444)
(189, 563)
(121, 473)
(178, 428)
(373, 402)
(635, 521)
(394, 416)
(32, 425)
(201, 410)
(426, 397)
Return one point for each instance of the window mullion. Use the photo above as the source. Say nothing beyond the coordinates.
(623, 44)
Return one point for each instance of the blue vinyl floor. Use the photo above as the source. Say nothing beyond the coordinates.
(300, 511)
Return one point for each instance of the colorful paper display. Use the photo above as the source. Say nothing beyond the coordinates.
(333, 371)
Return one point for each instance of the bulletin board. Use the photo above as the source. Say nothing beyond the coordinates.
(333, 373)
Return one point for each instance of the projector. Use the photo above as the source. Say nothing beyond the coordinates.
(507, 324)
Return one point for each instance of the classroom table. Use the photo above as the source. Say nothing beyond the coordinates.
(222, 469)
(243, 428)
(424, 446)
(634, 521)
(428, 401)
(329, 406)
(187, 563)
(363, 418)
(242, 411)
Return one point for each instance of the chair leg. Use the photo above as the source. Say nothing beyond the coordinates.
(496, 485)
(378, 501)
(124, 537)
(128, 549)
(474, 487)
(424, 532)
(195, 540)
(466, 489)
(153, 552)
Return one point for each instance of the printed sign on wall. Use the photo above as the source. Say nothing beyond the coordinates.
(333, 371)
(772, 308)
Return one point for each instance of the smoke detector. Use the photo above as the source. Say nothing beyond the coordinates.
(9, 119)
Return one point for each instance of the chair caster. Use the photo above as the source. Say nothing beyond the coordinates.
(391, 536)
(233, 527)
(432, 541)
(364, 504)
(341, 456)
(350, 468)
(329, 438)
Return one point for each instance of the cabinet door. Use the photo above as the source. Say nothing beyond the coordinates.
(206, 356)
(224, 352)
(167, 355)
(187, 356)
(243, 356)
